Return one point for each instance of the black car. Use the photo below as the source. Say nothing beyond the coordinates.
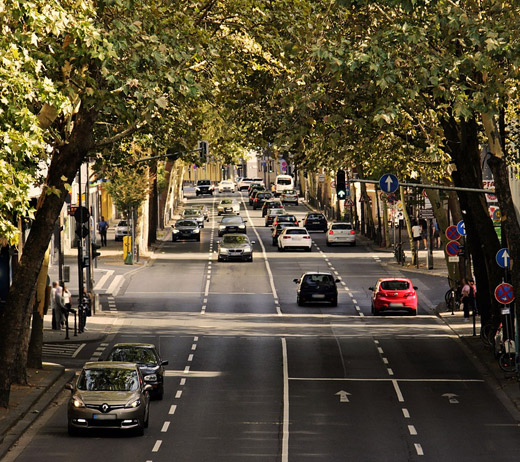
(271, 204)
(279, 228)
(232, 224)
(185, 229)
(315, 222)
(317, 287)
(253, 195)
(260, 198)
(204, 187)
(254, 187)
(147, 358)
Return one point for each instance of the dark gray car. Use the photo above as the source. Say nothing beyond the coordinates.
(232, 224)
(185, 229)
(235, 247)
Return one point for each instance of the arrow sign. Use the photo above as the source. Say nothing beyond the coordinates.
(504, 293)
(451, 398)
(343, 396)
(503, 258)
(341, 194)
(461, 228)
(388, 183)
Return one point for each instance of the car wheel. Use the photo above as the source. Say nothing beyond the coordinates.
(219, 258)
(299, 301)
(308, 249)
(174, 239)
(334, 302)
(251, 258)
(274, 241)
(73, 431)
(353, 244)
(139, 431)
(280, 249)
(328, 244)
(198, 238)
(413, 313)
(160, 394)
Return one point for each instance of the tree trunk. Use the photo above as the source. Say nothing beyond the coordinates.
(34, 356)
(153, 206)
(408, 223)
(64, 165)
(482, 241)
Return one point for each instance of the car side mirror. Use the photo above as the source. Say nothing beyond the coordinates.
(69, 386)
(164, 363)
(415, 287)
(370, 288)
(337, 280)
(147, 388)
(296, 281)
(253, 242)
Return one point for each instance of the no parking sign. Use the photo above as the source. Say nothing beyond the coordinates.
(504, 293)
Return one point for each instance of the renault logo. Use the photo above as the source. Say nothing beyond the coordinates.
(105, 407)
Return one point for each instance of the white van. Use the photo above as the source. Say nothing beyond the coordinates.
(283, 183)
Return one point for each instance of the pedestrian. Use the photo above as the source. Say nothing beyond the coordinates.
(55, 315)
(436, 235)
(59, 307)
(102, 228)
(465, 297)
(424, 233)
(473, 297)
(67, 303)
(416, 234)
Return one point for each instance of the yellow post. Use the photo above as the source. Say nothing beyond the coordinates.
(128, 257)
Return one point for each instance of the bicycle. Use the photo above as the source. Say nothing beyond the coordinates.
(452, 297)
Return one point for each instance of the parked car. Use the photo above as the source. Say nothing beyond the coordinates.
(271, 204)
(194, 214)
(289, 196)
(294, 238)
(232, 224)
(185, 229)
(288, 218)
(315, 222)
(394, 294)
(341, 233)
(204, 187)
(317, 287)
(272, 214)
(228, 206)
(122, 230)
(279, 228)
(260, 197)
(235, 247)
(150, 364)
(226, 186)
(109, 395)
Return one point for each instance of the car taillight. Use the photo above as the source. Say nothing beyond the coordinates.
(287, 237)
(331, 232)
(352, 232)
(306, 237)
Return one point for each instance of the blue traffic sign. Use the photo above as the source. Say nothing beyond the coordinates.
(504, 293)
(503, 258)
(452, 234)
(453, 248)
(388, 183)
(461, 228)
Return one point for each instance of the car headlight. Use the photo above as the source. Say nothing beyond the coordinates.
(151, 378)
(222, 227)
(248, 249)
(197, 189)
(133, 404)
(196, 230)
(242, 226)
(77, 401)
(224, 251)
(175, 231)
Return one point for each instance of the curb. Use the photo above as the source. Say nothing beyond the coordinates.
(15, 424)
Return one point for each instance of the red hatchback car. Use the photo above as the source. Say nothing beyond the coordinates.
(394, 294)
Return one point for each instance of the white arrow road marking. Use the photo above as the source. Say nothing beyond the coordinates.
(452, 398)
(343, 396)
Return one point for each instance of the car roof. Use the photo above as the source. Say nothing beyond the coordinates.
(109, 365)
(393, 279)
(133, 345)
(341, 223)
(309, 273)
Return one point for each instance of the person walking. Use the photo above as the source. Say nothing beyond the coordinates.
(473, 297)
(416, 234)
(102, 228)
(436, 235)
(424, 233)
(54, 306)
(465, 297)
(67, 304)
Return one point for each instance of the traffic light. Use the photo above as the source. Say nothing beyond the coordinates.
(94, 251)
(81, 230)
(341, 189)
(203, 147)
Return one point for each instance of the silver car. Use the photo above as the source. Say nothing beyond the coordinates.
(185, 229)
(194, 214)
(228, 206)
(203, 208)
(122, 229)
(235, 247)
(111, 395)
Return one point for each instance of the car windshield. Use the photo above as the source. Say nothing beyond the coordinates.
(191, 212)
(204, 183)
(122, 223)
(226, 201)
(395, 285)
(185, 223)
(288, 218)
(275, 212)
(296, 231)
(230, 239)
(314, 279)
(231, 221)
(108, 379)
(283, 181)
(341, 226)
(133, 355)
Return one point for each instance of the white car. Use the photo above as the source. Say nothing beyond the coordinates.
(294, 238)
(226, 186)
(122, 230)
(245, 182)
(228, 206)
(341, 233)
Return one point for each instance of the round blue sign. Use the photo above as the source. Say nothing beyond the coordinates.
(503, 258)
(461, 228)
(388, 183)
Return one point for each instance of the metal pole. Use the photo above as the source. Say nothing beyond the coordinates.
(429, 255)
(88, 240)
(80, 242)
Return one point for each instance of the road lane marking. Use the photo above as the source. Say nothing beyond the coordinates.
(190, 358)
(187, 369)
(419, 449)
(385, 360)
(412, 430)
(285, 426)
(178, 394)
(406, 414)
(165, 426)
(195, 339)
(398, 392)
(156, 446)
(194, 347)
(104, 278)
(115, 286)
(183, 382)
(390, 371)
(172, 410)
(380, 350)
(382, 379)
(78, 350)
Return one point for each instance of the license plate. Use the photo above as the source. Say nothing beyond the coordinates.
(318, 295)
(315, 223)
(104, 417)
(232, 229)
(396, 305)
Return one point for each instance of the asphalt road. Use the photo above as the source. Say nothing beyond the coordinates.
(252, 376)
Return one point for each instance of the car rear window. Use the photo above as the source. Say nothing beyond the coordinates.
(395, 285)
(314, 279)
(341, 226)
(315, 216)
(296, 231)
(283, 181)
